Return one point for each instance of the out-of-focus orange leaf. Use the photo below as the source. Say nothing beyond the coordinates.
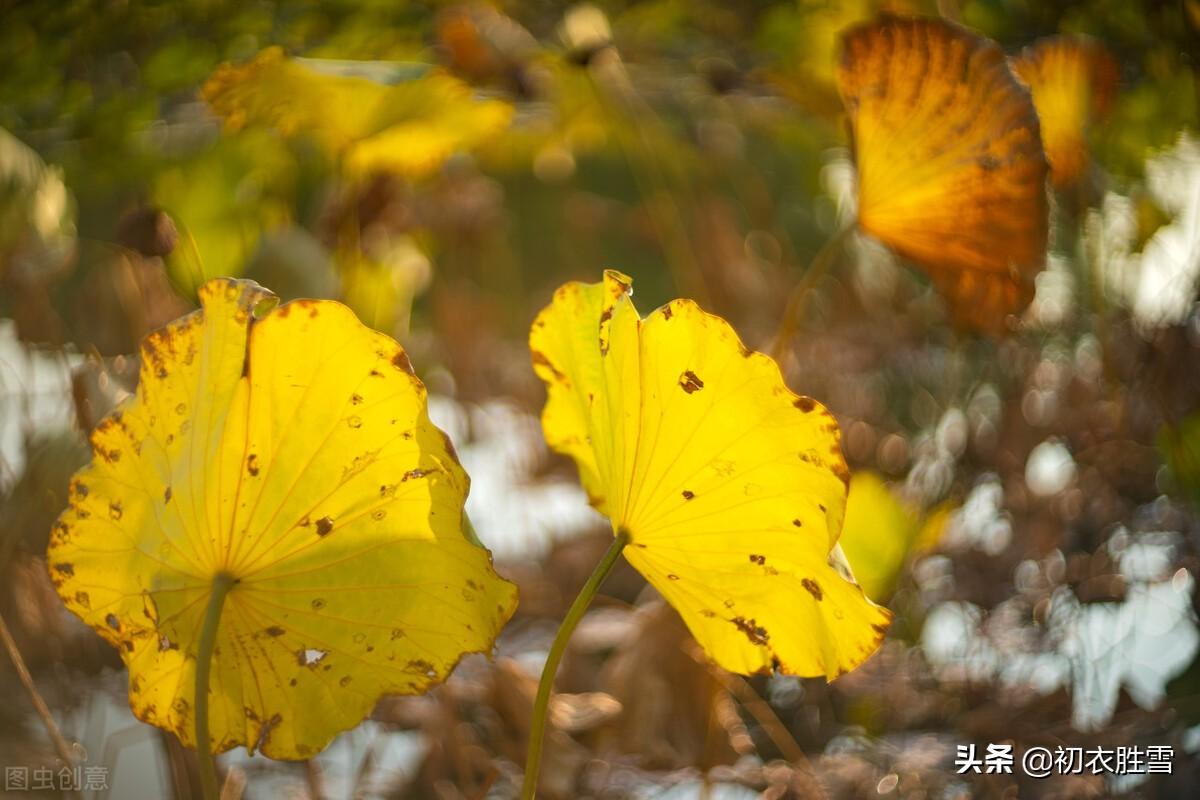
(1073, 81)
(951, 172)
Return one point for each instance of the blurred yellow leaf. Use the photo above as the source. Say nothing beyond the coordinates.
(409, 128)
(951, 172)
(292, 453)
(224, 200)
(37, 212)
(730, 488)
(881, 533)
(1073, 81)
(877, 535)
(381, 281)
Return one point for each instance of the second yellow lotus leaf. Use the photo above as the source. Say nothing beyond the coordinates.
(730, 488)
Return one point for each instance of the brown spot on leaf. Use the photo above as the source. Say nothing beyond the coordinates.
(540, 360)
(317, 604)
(252, 464)
(420, 666)
(413, 474)
(672, 576)
(798, 523)
(112, 622)
(813, 588)
(356, 399)
(324, 526)
(344, 681)
(400, 361)
(757, 559)
(83, 599)
(65, 569)
(754, 632)
(275, 630)
(688, 495)
(690, 382)
(167, 495)
(805, 404)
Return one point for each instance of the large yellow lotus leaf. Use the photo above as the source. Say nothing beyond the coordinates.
(951, 172)
(730, 487)
(1073, 81)
(410, 127)
(293, 452)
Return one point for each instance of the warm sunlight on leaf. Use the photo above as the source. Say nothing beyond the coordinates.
(1073, 81)
(951, 172)
(881, 532)
(292, 451)
(409, 128)
(730, 487)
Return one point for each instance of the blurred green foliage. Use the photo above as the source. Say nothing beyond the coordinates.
(644, 131)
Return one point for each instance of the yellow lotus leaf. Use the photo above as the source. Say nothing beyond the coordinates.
(291, 452)
(1073, 81)
(410, 127)
(951, 173)
(730, 488)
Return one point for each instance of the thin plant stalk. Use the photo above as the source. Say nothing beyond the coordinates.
(541, 706)
(222, 583)
(39, 705)
(817, 269)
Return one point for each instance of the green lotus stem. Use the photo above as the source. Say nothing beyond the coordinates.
(541, 706)
(222, 583)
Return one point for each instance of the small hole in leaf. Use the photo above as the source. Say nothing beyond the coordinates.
(310, 656)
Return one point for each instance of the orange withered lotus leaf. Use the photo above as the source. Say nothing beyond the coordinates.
(1073, 80)
(951, 172)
